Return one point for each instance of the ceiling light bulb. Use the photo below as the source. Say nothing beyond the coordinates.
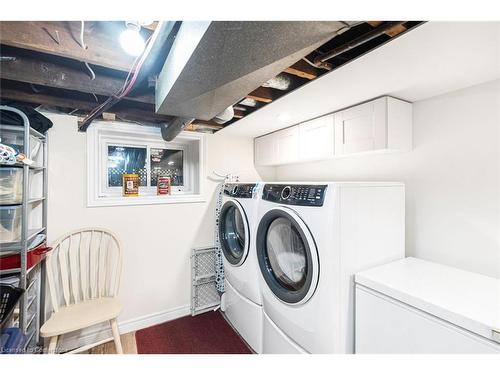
(132, 42)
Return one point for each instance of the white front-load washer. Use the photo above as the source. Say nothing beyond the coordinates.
(241, 302)
(311, 239)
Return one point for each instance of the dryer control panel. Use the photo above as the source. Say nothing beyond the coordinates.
(297, 195)
(240, 190)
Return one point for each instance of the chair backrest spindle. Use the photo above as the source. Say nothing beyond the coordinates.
(84, 264)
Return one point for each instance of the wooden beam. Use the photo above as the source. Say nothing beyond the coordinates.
(43, 99)
(195, 125)
(392, 32)
(262, 94)
(63, 39)
(125, 112)
(396, 30)
(239, 114)
(123, 109)
(34, 71)
(303, 70)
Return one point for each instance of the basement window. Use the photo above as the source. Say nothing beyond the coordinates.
(114, 149)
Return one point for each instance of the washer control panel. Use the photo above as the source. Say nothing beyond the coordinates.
(240, 190)
(297, 195)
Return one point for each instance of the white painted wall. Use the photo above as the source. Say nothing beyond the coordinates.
(157, 239)
(452, 178)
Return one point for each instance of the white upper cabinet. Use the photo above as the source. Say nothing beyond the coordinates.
(265, 150)
(287, 145)
(383, 124)
(281, 147)
(316, 139)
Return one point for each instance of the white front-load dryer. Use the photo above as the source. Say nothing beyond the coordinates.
(310, 240)
(241, 302)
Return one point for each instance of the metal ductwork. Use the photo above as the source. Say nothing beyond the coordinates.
(280, 82)
(171, 129)
(224, 116)
(213, 65)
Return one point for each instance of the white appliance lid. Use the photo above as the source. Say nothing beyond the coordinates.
(466, 299)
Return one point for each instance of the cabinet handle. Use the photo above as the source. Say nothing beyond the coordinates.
(343, 132)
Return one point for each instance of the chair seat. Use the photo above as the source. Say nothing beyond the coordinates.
(81, 315)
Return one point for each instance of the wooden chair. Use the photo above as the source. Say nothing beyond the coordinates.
(83, 274)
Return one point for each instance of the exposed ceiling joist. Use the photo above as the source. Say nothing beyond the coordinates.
(392, 32)
(44, 99)
(375, 23)
(238, 113)
(122, 110)
(63, 39)
(198, 125)
(302, 69)
(262, 94)
(396, 30)
(34, 71)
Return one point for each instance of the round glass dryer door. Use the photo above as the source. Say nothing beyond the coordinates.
(287, 256)
(233, 232)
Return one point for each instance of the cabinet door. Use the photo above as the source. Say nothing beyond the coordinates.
(361, 128)
(265, 150)
(287, 145)
(387, 326)
(316, 139)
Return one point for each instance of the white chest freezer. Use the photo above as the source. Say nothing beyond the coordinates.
(416, 306)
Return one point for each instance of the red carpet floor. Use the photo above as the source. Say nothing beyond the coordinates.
(207, 333)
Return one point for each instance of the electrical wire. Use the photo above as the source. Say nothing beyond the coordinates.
(309, 62)
(92, 74)
(82, 28)
(84, 46)
(129, 82)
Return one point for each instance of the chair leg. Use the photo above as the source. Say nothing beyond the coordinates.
(116, 336)
(53, 345)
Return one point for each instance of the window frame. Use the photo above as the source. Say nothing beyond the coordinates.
(103, 134)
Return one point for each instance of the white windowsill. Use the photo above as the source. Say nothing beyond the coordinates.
(145, 200)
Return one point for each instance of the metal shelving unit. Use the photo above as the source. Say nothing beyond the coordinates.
(31, 305)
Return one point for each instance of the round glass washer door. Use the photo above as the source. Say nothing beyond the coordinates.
(234, 234)
(287, 255)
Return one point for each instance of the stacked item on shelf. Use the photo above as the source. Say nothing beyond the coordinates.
(23, 217)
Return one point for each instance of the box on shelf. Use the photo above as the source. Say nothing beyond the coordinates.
(33, 257)
(11, 185)
(10, 223)
(16, 141)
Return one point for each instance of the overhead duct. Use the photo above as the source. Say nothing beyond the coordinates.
(170, 130)
(224, 116)
(280, 82)
(213, 65)
(249, 102)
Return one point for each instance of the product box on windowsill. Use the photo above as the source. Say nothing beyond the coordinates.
(163, 187)
(130, 185)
